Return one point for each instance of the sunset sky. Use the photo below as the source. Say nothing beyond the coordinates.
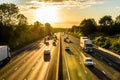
(65, 13)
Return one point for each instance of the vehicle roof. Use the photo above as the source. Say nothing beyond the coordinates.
(88, 58)
(3, 46)
(84, 37)
(67, 46)
(46, 51)
(88, 41)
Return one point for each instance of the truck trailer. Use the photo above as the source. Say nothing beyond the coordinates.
(86, 45)
(5, 55)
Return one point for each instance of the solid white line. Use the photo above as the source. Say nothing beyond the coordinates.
(58, 57)
(67, 68)
(104, 72)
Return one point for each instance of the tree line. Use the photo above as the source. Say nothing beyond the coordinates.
(106, 34)
(106, 25)
(14, 29)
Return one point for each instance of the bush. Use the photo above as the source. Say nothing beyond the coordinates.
(115, 47)
(102, 41)
(107, 44)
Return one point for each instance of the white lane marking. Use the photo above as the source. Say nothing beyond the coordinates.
(85, 71)
(104, 72)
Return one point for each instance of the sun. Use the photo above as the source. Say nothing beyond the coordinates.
(46, 14)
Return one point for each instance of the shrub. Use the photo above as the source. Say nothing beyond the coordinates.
(115, 47)
(102, 41)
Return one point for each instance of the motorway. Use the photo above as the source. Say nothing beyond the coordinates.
(30, 65)
(106, 67)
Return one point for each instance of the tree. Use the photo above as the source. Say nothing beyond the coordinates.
(106, 24)
(48, 29)
(106, 21)
(115, 29)
(88, 26)
(117, 21)
(75, 28)
(38, 27)
(22, 20)
(8, 13)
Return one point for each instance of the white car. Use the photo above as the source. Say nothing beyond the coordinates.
(88, 61)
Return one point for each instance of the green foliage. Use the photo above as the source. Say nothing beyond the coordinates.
(75, 28)
(75, 34)
(106, 20)
(48, 29)
(116, 46)
(106, 35)
(58, 30)
(22, 20)
(102, 41)
(8, 13)
(87, 26)
(14, 30)
(117, 20)
(112, 42)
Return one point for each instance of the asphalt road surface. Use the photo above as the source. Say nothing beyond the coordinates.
(106, 67)
(30, 64)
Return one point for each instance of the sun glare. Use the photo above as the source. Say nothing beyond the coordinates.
(46, 14)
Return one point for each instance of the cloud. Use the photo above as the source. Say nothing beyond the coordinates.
(64, 3)
(118, 7)
(68, 4)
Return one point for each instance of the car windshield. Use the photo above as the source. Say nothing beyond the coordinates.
(88, 60)
(88, 45)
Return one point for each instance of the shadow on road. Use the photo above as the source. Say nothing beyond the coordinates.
(4, 64)
(98, 73)
(28, 48)
(111, 61)
(70, 52)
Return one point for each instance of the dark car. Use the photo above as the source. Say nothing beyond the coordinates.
(54, 43)
(67, 48)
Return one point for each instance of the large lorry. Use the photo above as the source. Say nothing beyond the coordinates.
(86, 44)
(4, 54)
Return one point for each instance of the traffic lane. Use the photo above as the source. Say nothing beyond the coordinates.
(10, 72)
(112, 61)
(44, 70)
(41, 69)
(17, 61)
(86, 73)
(20, 64)
(98, 73)
(107, 70)
(76, 69)
(75, 46)
(63, 68)
(27, 47)
(54, 63)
